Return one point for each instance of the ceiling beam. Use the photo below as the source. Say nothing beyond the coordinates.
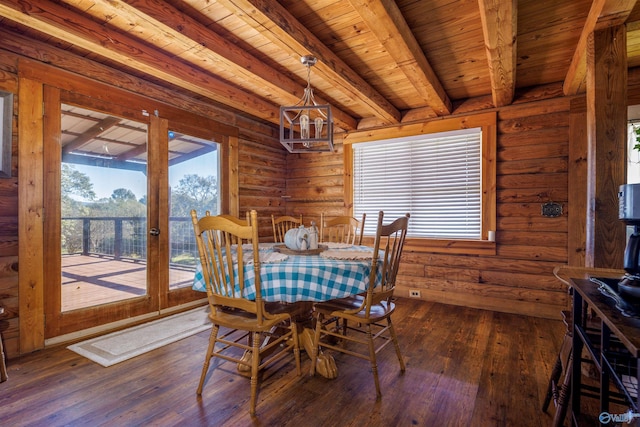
(198, 44)
(71, 27)
(88, 135)
(603, 14)
(385, 20)
(274, 22)
(499, 26)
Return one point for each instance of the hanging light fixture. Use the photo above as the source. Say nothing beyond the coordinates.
(307, 127)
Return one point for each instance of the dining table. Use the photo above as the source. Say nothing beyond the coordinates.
(334, 270)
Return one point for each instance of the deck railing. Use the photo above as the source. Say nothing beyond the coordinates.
(125, 238)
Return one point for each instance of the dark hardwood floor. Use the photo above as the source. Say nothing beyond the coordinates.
(465, 367)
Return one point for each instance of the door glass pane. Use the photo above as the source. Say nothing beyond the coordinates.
(103, 208)
(193, 184)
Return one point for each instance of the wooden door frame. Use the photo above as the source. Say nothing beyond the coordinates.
(33, 78)
(62, 323)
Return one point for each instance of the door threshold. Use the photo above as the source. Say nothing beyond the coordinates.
(120, 324)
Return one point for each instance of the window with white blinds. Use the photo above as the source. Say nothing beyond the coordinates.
(437, 178)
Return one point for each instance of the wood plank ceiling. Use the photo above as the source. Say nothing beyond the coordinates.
(379, 62)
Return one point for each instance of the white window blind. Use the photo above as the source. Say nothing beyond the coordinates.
(434, 177)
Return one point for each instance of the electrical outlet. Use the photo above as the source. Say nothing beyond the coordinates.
(414, 293)
(551, 209)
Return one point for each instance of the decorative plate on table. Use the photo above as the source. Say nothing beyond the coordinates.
(261, 246)
(346, 255)
(265, 257)
(285, 250)
(337, 245)
(272, 257)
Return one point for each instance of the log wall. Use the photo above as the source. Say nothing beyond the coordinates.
(532, 169)
(9, 224)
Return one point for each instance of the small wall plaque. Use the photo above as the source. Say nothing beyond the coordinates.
(551, 209)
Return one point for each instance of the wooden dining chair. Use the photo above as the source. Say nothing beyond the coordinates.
(282, 224)
(236, 219)
(342, 229)
(368, 315)
(249, 324)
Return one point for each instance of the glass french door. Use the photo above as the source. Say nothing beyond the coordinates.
(103, 202)
(194, 183)
(119, 240)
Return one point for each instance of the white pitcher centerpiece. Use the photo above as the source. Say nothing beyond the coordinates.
(302, 238)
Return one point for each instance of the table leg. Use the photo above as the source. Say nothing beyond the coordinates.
(325, 365)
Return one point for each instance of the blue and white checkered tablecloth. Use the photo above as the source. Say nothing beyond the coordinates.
(305, 278)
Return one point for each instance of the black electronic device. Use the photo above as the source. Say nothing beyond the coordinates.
(629, 213)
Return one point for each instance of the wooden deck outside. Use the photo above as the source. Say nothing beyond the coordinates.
(94, 280)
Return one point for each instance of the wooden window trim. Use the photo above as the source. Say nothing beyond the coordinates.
(488, 123)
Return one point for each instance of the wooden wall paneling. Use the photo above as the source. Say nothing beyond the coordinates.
(532, 170)
(158, 203)
(531, 165)
(52, 221)
(489, 156)
(233, 178)
(469, 295)
(347, 161)
(555, 238)
(476, 291)
(633, 86)
(577, 185)
(527, 266)
(607, 124)
(315, 184)
(9, 283)
(30, 214)
(262, 180)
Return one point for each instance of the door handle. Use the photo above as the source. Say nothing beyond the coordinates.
(154, 232)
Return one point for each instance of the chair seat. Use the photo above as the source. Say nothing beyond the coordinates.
(346, 303)
(337, 308)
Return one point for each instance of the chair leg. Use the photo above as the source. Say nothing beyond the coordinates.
(553, 381)
(554, 386)
(3, 365)
(255, 363)
(316, 343)
(296, 346)
(207, 359)
(394, 337)
(374, 362)
(564, 395)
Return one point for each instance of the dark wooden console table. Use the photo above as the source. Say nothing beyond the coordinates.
(615, 327)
